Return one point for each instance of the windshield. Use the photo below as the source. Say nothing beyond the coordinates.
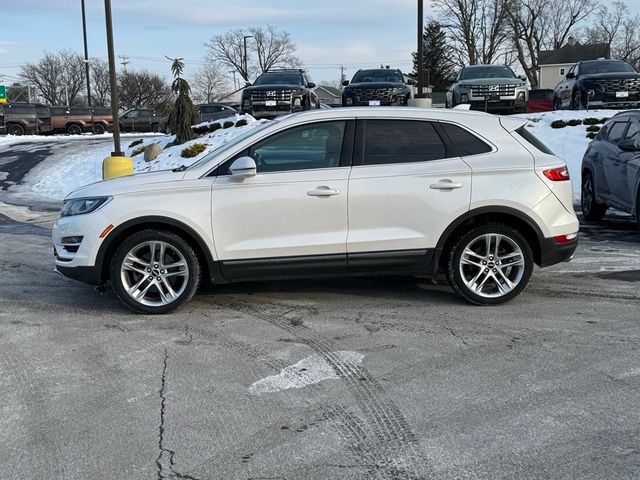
(383, 75)
(487, 71)
(279, 79)
(606, 66)
(232, 143)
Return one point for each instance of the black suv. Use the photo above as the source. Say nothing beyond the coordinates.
(278, 92)
(598, 84)
(381, 86)
(142, 120)
(24, 118)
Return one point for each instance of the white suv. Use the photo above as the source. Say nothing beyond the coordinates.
(355, 191)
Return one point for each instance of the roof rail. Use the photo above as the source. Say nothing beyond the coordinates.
(278, 70)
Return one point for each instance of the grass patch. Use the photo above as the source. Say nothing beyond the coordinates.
(138, 151)
(241, 123)
(136, 142)
(193, 150)
(558, 124)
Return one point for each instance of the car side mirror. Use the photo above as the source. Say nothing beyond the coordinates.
(243, 167)
(345, 83)
(452, 78)
(628, 145)
(570, 75)
(523, 77)
(311, 85)
(411, 81)
(247, 84)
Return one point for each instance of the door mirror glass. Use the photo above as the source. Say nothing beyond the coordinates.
(311, 85)
(345, 83)
(522, 77)
(243, 167)
(571, 75)
(629, 145)
(411, 81)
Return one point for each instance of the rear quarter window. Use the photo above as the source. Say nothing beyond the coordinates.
(464, 142)
(531, 139)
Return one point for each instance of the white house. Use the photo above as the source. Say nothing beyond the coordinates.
(553, 65)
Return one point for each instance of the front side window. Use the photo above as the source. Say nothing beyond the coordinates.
(318, 145)
(144, 113)
(616, 132)
(401, 141)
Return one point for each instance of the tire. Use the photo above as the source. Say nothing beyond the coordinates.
(508, 257)
(74, 129)
(557, 104)
(576, 102)
(170, 288)
(155, 128)
(98, 128)
(15, 129)
(591, 210)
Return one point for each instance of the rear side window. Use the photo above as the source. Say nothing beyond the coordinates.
(43, 112)
(616, 132)
(21, 110)
(401, 141)
(465, 143)
(533, 140)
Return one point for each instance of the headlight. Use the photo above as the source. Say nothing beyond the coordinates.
(464, 98)
(80, 206)
(246, 102)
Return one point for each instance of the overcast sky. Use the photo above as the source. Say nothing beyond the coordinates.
(328, 33)
(356, 33)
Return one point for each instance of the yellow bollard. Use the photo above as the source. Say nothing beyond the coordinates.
(116, 167)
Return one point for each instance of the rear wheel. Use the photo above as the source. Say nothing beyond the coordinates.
(155, 272)
(15, 129)
(490, 264)
(74, 129)
(591, 210)
(99, 128)
(155, 128)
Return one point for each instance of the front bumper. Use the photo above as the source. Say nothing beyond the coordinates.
(617, 104)
(261, 110)
(552, 252)
(500, 105)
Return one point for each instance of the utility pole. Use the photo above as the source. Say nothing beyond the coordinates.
(342, 78)
(420, 71)
(235, 84)
(124, 62)
(86, 54)
(112, 76)
(246, 65)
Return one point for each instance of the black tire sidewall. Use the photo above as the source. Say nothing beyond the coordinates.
(74, 130)
(168, 237)
(455, 254)
(99, 129)
(597, 210)
(17, 130)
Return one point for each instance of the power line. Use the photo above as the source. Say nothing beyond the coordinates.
(124, 62)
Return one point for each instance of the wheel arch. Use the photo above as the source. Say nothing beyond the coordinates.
(503, 215)
(210, 268)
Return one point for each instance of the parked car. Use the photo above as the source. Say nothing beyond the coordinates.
(540, 101)
(375, 87)
(611, 168)
(18, 119)
(331, 192)
(142, 120)
(278, 92)
(209, 112)
(72, 120)
(598, 84)
(490, 88)
(43, 115)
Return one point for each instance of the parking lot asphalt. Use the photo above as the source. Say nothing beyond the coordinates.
(389, 378)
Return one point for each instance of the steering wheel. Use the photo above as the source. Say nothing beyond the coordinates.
(257, 157)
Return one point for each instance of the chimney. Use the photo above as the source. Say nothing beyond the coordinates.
(571, 41)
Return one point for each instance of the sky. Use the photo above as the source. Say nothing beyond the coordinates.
(330, 33)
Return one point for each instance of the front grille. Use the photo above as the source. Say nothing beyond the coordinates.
(277, 95)
(624, 85)
(489, 90)
(373, 93)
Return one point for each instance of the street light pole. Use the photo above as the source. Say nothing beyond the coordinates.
(246, 66)
(420, 71)
(86, 54)
(112, 78)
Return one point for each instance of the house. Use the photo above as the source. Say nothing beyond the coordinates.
(553, 65)
(329, 95)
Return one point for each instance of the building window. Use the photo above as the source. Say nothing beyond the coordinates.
(562, 72)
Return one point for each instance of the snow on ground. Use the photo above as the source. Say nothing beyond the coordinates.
(54, 178)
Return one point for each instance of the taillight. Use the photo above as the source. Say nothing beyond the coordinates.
(559, 174)
(565, 238)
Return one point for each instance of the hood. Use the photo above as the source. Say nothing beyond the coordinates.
(611, 76)
(129, 184)
(492, 81)
(372, 85)
(278, 86)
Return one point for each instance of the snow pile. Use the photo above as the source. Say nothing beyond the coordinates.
(81, 164)
(568, 143)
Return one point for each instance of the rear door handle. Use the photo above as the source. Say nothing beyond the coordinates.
(445, 185)
(323, 191)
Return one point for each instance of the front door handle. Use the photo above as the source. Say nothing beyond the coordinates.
(445, 185)
(323, 191)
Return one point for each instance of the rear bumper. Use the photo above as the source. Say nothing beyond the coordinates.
(552, 252)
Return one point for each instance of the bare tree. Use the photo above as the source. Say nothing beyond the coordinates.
(608, 22)
(210, 82)
(627, 43)
(100, 82)
(57, 77)
(268, 48)
(478, 28)
(142, 89)
(564, 15)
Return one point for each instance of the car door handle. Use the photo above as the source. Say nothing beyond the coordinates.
(323, 191)
(445, 185)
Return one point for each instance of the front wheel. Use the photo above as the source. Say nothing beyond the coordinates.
(490, 264)
(15, 129)
(74, 129)
(98, 128)
(155, 272)
(576, 102)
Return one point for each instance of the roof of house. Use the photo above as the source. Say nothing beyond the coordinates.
(574, 53)
(330, 90)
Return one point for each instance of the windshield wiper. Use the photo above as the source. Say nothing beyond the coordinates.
(181, 168)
